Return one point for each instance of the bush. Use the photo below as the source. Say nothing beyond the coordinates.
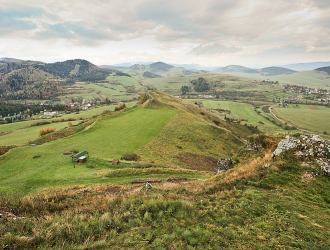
(2, 151)
(120, 107)
(130, 157)
(46, 131)
(70, 124)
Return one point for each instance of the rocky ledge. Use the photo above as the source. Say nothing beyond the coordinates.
(308, 146)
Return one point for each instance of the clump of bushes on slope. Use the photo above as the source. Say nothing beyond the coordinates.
(2, 151)
(130, 157)
(46, 131)
(120, 107)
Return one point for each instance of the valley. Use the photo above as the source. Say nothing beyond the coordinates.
(176, 124)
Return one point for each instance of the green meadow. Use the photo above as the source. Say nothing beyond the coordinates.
(242, 111)
(22, 136)
(108, 138)
(82, 114)
(316, 120)
(126, 81)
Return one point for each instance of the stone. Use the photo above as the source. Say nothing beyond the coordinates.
(324, 164)
(224, 165)
(267, 165)
(115, 162)
(288, 142)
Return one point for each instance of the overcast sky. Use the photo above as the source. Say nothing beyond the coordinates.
(209, 32)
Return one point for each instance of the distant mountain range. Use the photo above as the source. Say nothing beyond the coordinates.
(307, 66)
(158, 69)
(268, 71)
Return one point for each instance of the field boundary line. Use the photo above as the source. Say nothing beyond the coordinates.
(301, 129)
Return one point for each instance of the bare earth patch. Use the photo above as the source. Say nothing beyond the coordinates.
(198, 162)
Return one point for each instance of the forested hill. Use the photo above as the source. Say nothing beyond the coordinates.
(38, 80)
(68, 68)
(324, 69)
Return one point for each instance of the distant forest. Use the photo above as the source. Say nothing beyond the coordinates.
(12, 108)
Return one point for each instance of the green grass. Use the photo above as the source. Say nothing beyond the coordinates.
(126, 81)
(103, 89)
(22, 136)
(313, 120)
(242, 110)
(82, 114)
(311, 79)
(273, 210)
(107, 138)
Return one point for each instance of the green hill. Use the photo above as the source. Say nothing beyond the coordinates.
(233, 68)
(163, 129)
(69, 68)
(273, 71)
(159, 68)
(244, 71)
(148, 74)
(324, 69)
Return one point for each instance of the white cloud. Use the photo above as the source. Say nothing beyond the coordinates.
(164, 30)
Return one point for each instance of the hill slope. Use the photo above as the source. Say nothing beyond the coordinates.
(164, 130)
(159, 68)
(241, 70)
(284, 205)
(324, 69)
(273, 71)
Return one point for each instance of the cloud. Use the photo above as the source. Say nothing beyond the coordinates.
(322, 3)
(214, 49)
(18, 19)
(213, 27)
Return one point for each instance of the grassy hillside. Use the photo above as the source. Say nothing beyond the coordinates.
(243, 111)
(108, 138)
(311, 79)
(247, 207)
(165, 130)
(161, 69)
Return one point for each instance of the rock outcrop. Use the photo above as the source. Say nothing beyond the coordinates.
(309, 146)
(224, 165)
(288, 142)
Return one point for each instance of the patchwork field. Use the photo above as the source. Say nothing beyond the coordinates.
(317, 120)
(81, 114)
(242, 111)
(22, 136)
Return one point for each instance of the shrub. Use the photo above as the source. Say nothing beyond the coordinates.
(70, 124)
(130, 157)
(120, 107)
(2, 151)
(46, 131)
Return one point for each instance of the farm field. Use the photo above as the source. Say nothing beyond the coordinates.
(242, 110)
(22, 136)
(82, 114)
(104, 90)
(317, 120)
(311, 79)
(126, 81)
(108, 138)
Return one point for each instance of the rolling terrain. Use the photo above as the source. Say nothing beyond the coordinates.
(158, 131)
(93, 205)
(49, 201)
